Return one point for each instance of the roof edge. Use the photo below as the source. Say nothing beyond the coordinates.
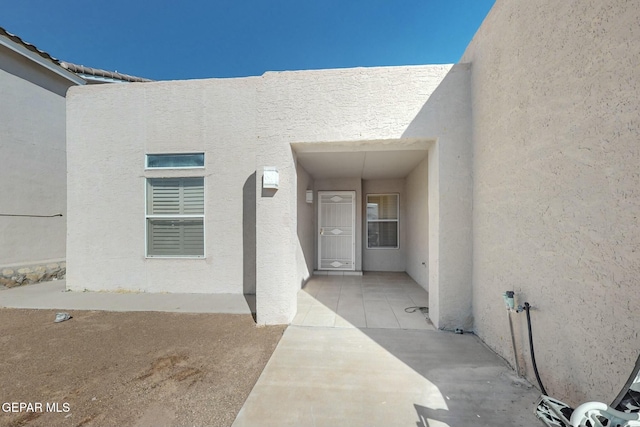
(40, 57)
(102, 75)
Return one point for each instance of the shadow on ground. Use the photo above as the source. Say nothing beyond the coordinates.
(345, 367)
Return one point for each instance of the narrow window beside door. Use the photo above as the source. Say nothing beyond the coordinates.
(382, 221)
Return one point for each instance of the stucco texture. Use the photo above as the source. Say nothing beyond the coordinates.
(417, 222)
(346, 105)
(447, 116)
(110, 130)
(32, 149)
(244, 125)
(556, 188)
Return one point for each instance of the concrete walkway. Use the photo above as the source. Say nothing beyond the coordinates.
(336, 374)
(52, 295)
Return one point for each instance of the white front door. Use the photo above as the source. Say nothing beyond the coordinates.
(336, 231)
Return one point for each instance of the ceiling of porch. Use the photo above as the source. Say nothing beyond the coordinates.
(365, 160)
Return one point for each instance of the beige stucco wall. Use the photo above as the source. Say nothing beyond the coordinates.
(447, 116)
(339, 105)
(556, 188)
(244, 125)
(32, 149)
(384, 259)
(110, 129)
(306, 225)
(417, 224)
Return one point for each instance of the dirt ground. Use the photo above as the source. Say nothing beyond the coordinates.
(129, 369)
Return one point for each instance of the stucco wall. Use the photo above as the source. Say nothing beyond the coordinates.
(447, 116)
(33, 174)
(306, 225)
(417, 224)
(556, 188)
(245, 125)
(384, 259)
(110, 128)
(317, 106)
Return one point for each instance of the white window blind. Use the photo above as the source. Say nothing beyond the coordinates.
(382, 221)
(175, 217)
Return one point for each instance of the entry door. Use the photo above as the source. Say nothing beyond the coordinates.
(337, 225)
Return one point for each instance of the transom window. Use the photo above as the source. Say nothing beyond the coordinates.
(382, 221)
(171, 161)
(175, 217)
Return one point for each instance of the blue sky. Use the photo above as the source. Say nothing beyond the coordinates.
(166, 40)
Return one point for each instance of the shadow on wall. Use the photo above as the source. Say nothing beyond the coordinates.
(447, 105)
(305, 227)
(447, 117)
(249, 237)
(464, 372)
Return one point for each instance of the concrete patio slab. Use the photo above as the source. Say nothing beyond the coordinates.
(321, 376)
(52, 295)
(373, 300)
(357, 355)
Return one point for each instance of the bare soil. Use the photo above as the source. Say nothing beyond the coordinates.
(129, 369)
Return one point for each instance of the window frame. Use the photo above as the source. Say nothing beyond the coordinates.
(151, 168)
(396, 220)
(148, 216)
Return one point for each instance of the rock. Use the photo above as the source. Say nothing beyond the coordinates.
(13, 276)
(18, 279)
(35, 277)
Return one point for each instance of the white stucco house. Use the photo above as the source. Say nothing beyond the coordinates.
(188, 160)
(515, 169)
(33, 190)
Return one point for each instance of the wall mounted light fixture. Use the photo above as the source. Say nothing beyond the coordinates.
(270, 177)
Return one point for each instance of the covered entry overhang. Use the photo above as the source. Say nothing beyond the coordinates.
(433, 182)
(410, 110)
(385, 159)
(349, 182)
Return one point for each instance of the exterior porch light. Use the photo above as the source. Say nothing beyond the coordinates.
(309, 196)
(270, 177)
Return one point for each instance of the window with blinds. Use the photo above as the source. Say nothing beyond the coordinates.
(175, 217)
(382, 221)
